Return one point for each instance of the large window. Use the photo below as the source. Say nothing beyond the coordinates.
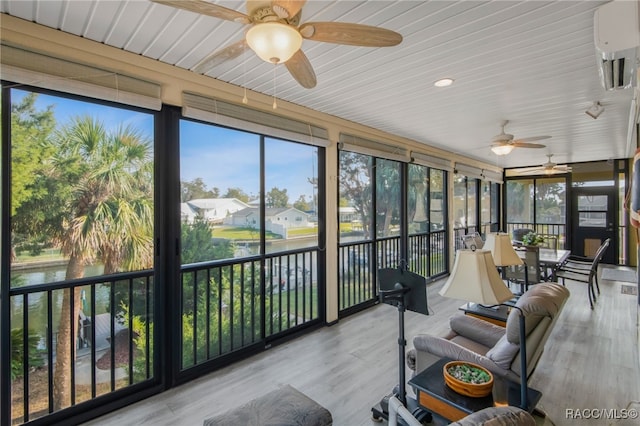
(538, 204)
(472, 208)
(356, 193)
(362, 252)
(459, 202)
(387, 198)
(419, 194)
(291, 198)
(519, 201)
(249, 222)
(551, 201)
(489, 207)
(426, 220)
(465, 205)
(220, 193)
(438, 199)
(82, 209)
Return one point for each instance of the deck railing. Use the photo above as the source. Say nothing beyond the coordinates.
(427, 253)
(357, 271)
(226, 307)
(105, 354)
(544, 229)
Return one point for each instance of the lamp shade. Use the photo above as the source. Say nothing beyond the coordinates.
(274, 42)
(502, 149)
(475, 279)
(502, 250)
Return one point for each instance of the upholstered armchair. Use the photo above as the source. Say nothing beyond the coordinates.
(491, 346)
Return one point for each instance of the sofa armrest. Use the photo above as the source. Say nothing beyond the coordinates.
(476, 329)
(443, 348)
(498, 416)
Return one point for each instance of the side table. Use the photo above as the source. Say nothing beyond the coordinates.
(435, 396)
(497, 316)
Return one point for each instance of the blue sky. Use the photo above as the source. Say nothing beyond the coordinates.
(222, 157)
(226, 158)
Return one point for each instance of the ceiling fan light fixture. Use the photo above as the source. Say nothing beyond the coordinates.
(274, 42)
(502, 149)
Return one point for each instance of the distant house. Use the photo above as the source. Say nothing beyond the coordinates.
(214, 210)
(348, 214)
(276, 219)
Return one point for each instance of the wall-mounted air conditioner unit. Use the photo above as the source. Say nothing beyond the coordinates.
(617, 38)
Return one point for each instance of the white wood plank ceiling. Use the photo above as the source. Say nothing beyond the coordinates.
(531, 62)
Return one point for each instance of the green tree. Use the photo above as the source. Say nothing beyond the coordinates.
(198, 246)
(302, 204)
(387, 196)
(197, 189)
(102, 209)
(277, 198)
(30, 131)
(236, 193)
(355, 173)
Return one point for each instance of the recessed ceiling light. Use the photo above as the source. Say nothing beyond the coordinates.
(443, 82)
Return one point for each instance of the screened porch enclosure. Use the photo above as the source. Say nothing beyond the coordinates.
(119, 286)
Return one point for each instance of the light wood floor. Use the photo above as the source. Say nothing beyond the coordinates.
(591, 361)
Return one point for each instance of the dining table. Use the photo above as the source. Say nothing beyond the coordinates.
(550, 259)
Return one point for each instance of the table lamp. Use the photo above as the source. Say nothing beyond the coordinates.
(475, 279)
(502, 250)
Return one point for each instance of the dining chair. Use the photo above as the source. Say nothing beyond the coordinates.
(584, 270)
(473, 241)
(528, 273)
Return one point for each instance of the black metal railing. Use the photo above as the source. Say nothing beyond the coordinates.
(356, 271)
(110, 344)
(427, 253)
(227, 304)
(559, 230)
(458, 233)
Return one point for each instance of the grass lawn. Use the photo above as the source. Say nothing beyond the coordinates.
(300, 232)
(235, 233)
(46, 255)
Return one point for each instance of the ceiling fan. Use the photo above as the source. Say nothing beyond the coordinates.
(548, 168)
(275, 34)
(504, 143)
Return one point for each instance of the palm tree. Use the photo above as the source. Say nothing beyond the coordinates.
(106, 213)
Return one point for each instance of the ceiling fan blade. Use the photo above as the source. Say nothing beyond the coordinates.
(519, 144)
(286, 9)
(301, 69)
(351, 34)
(532, 139)
(206, 8)
(216, 58)
(530, 172)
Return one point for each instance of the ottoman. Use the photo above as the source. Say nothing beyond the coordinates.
(283, 407)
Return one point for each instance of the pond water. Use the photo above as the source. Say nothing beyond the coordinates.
(37, 302)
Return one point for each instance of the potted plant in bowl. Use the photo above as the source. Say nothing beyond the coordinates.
(532, 239)
(468, 379)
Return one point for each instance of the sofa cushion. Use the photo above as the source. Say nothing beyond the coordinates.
(540, 301)
(503, 352)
